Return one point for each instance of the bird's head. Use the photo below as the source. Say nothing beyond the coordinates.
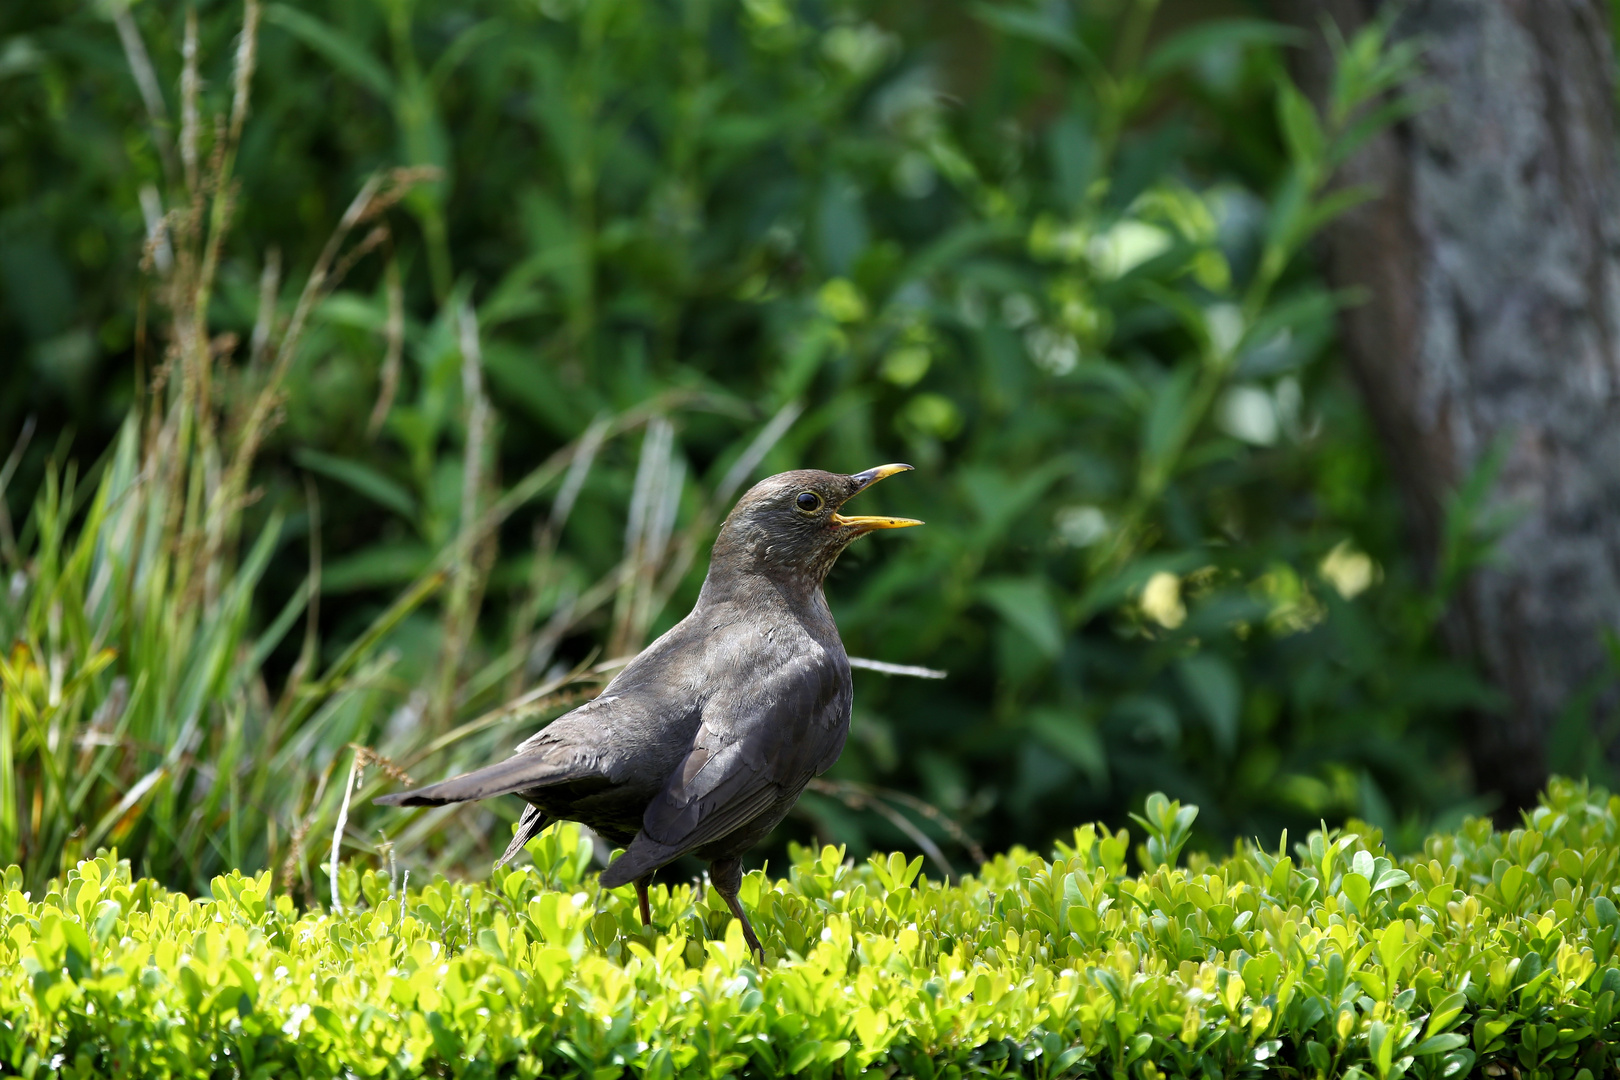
(791, 523)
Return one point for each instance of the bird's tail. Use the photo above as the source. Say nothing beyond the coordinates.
(528, 827)
(642, 857)
(517, 773)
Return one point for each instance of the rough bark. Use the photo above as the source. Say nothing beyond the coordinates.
(1492, 263)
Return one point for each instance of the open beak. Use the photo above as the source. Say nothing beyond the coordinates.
(866, 524)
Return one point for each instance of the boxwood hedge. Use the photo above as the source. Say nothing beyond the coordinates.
(1488, 952)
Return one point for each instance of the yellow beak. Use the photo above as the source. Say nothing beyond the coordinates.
(872, 476)
(874, 522)
(867, 479)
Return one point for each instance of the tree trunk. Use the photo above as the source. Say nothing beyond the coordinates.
(1491, 263)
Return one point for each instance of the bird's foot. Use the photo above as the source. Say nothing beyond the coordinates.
(644, 903)
(753, 943)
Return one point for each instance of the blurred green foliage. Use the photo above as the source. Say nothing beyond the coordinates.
(616, 259)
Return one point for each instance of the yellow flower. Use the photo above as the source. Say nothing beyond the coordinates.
(1161, 600)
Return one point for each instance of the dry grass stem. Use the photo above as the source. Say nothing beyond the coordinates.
(242, 71)
(643, 546)
(530, 653)
(264, 322)
(394, 331)
(8, 539)
(474, 551)
(698, 532)
(374, 239)
(754, 454)
(368, 757)
(190, 88)
(157, 255)
(868, 797)
(146, 81)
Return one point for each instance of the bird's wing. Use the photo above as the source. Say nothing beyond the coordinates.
(747, 756)
(599, 710)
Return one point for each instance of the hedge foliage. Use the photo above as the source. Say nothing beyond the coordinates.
(1486, 949)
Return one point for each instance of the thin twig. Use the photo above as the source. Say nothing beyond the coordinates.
(342, 823)
(883, 667)
(918, 837)
(867, 796)
(940, 818)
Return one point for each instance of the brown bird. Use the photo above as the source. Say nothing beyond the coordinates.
(703, 743)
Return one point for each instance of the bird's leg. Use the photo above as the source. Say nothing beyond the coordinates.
(641, 898)
(726, 877)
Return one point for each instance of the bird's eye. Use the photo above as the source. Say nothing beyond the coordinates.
(809, 501)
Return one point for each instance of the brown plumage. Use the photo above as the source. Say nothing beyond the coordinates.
(705, 741)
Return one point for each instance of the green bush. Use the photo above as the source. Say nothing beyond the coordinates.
(1487, 951)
